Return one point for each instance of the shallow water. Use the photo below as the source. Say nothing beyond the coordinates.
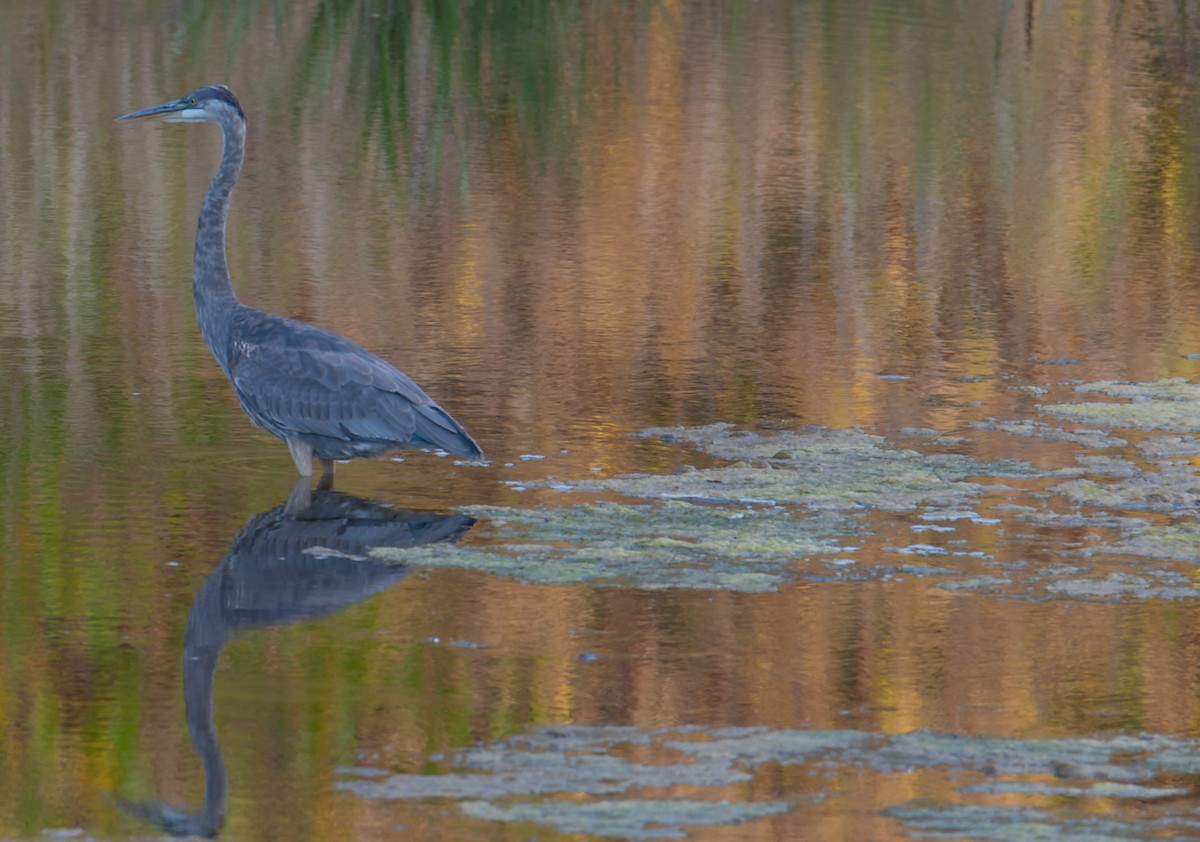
(573, 223)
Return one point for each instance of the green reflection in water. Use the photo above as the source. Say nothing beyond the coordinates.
(780, 200)
(452, 71)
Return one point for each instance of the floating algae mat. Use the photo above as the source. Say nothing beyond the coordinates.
(817, 468)
(794, 505)
(1177, 541)
(1038, 430)
(789, 496)
(1018, 824)
(578, 779)
(1172, 405)
(1167, 489)
(676, 544)
(631, 819)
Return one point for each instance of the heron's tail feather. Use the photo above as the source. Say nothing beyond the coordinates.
(436, 428)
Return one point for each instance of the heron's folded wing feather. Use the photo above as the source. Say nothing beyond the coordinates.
(327, 393)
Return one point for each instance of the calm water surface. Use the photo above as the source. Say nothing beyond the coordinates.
(570, 222)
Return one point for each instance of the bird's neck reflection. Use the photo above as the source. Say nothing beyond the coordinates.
(303, 559)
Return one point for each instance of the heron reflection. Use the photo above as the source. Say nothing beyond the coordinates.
(303, 559)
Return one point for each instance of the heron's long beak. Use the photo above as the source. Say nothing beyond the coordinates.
(179, 110)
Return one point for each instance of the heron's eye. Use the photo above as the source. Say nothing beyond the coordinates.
(191, 100)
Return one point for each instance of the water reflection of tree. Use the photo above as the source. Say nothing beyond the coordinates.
(303, 559)
(435, 73)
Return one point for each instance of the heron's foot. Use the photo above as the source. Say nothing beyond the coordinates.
(325, 483)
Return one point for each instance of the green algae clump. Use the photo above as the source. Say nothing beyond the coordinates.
(1029, 428)
(1180, 542)
(1172, 404)
(1165, 490)
(817, 468)
(579, 779)
(786, 497)
(676, 544)
(632, 818)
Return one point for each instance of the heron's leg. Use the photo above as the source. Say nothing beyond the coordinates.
(300, 498)
(302, 455)
(325, 483)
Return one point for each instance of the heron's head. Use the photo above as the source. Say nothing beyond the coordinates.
(210, 104)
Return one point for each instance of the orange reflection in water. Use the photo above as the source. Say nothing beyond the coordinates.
(570, 226)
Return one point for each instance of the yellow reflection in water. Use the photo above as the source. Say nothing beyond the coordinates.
(569, 226)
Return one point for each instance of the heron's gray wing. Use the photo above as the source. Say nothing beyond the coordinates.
(296, 379)
(341, 394)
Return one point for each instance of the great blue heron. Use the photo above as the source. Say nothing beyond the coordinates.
(319, 392)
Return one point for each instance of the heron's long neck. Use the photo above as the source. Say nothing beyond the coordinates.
(210, 279)
(202, 643)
